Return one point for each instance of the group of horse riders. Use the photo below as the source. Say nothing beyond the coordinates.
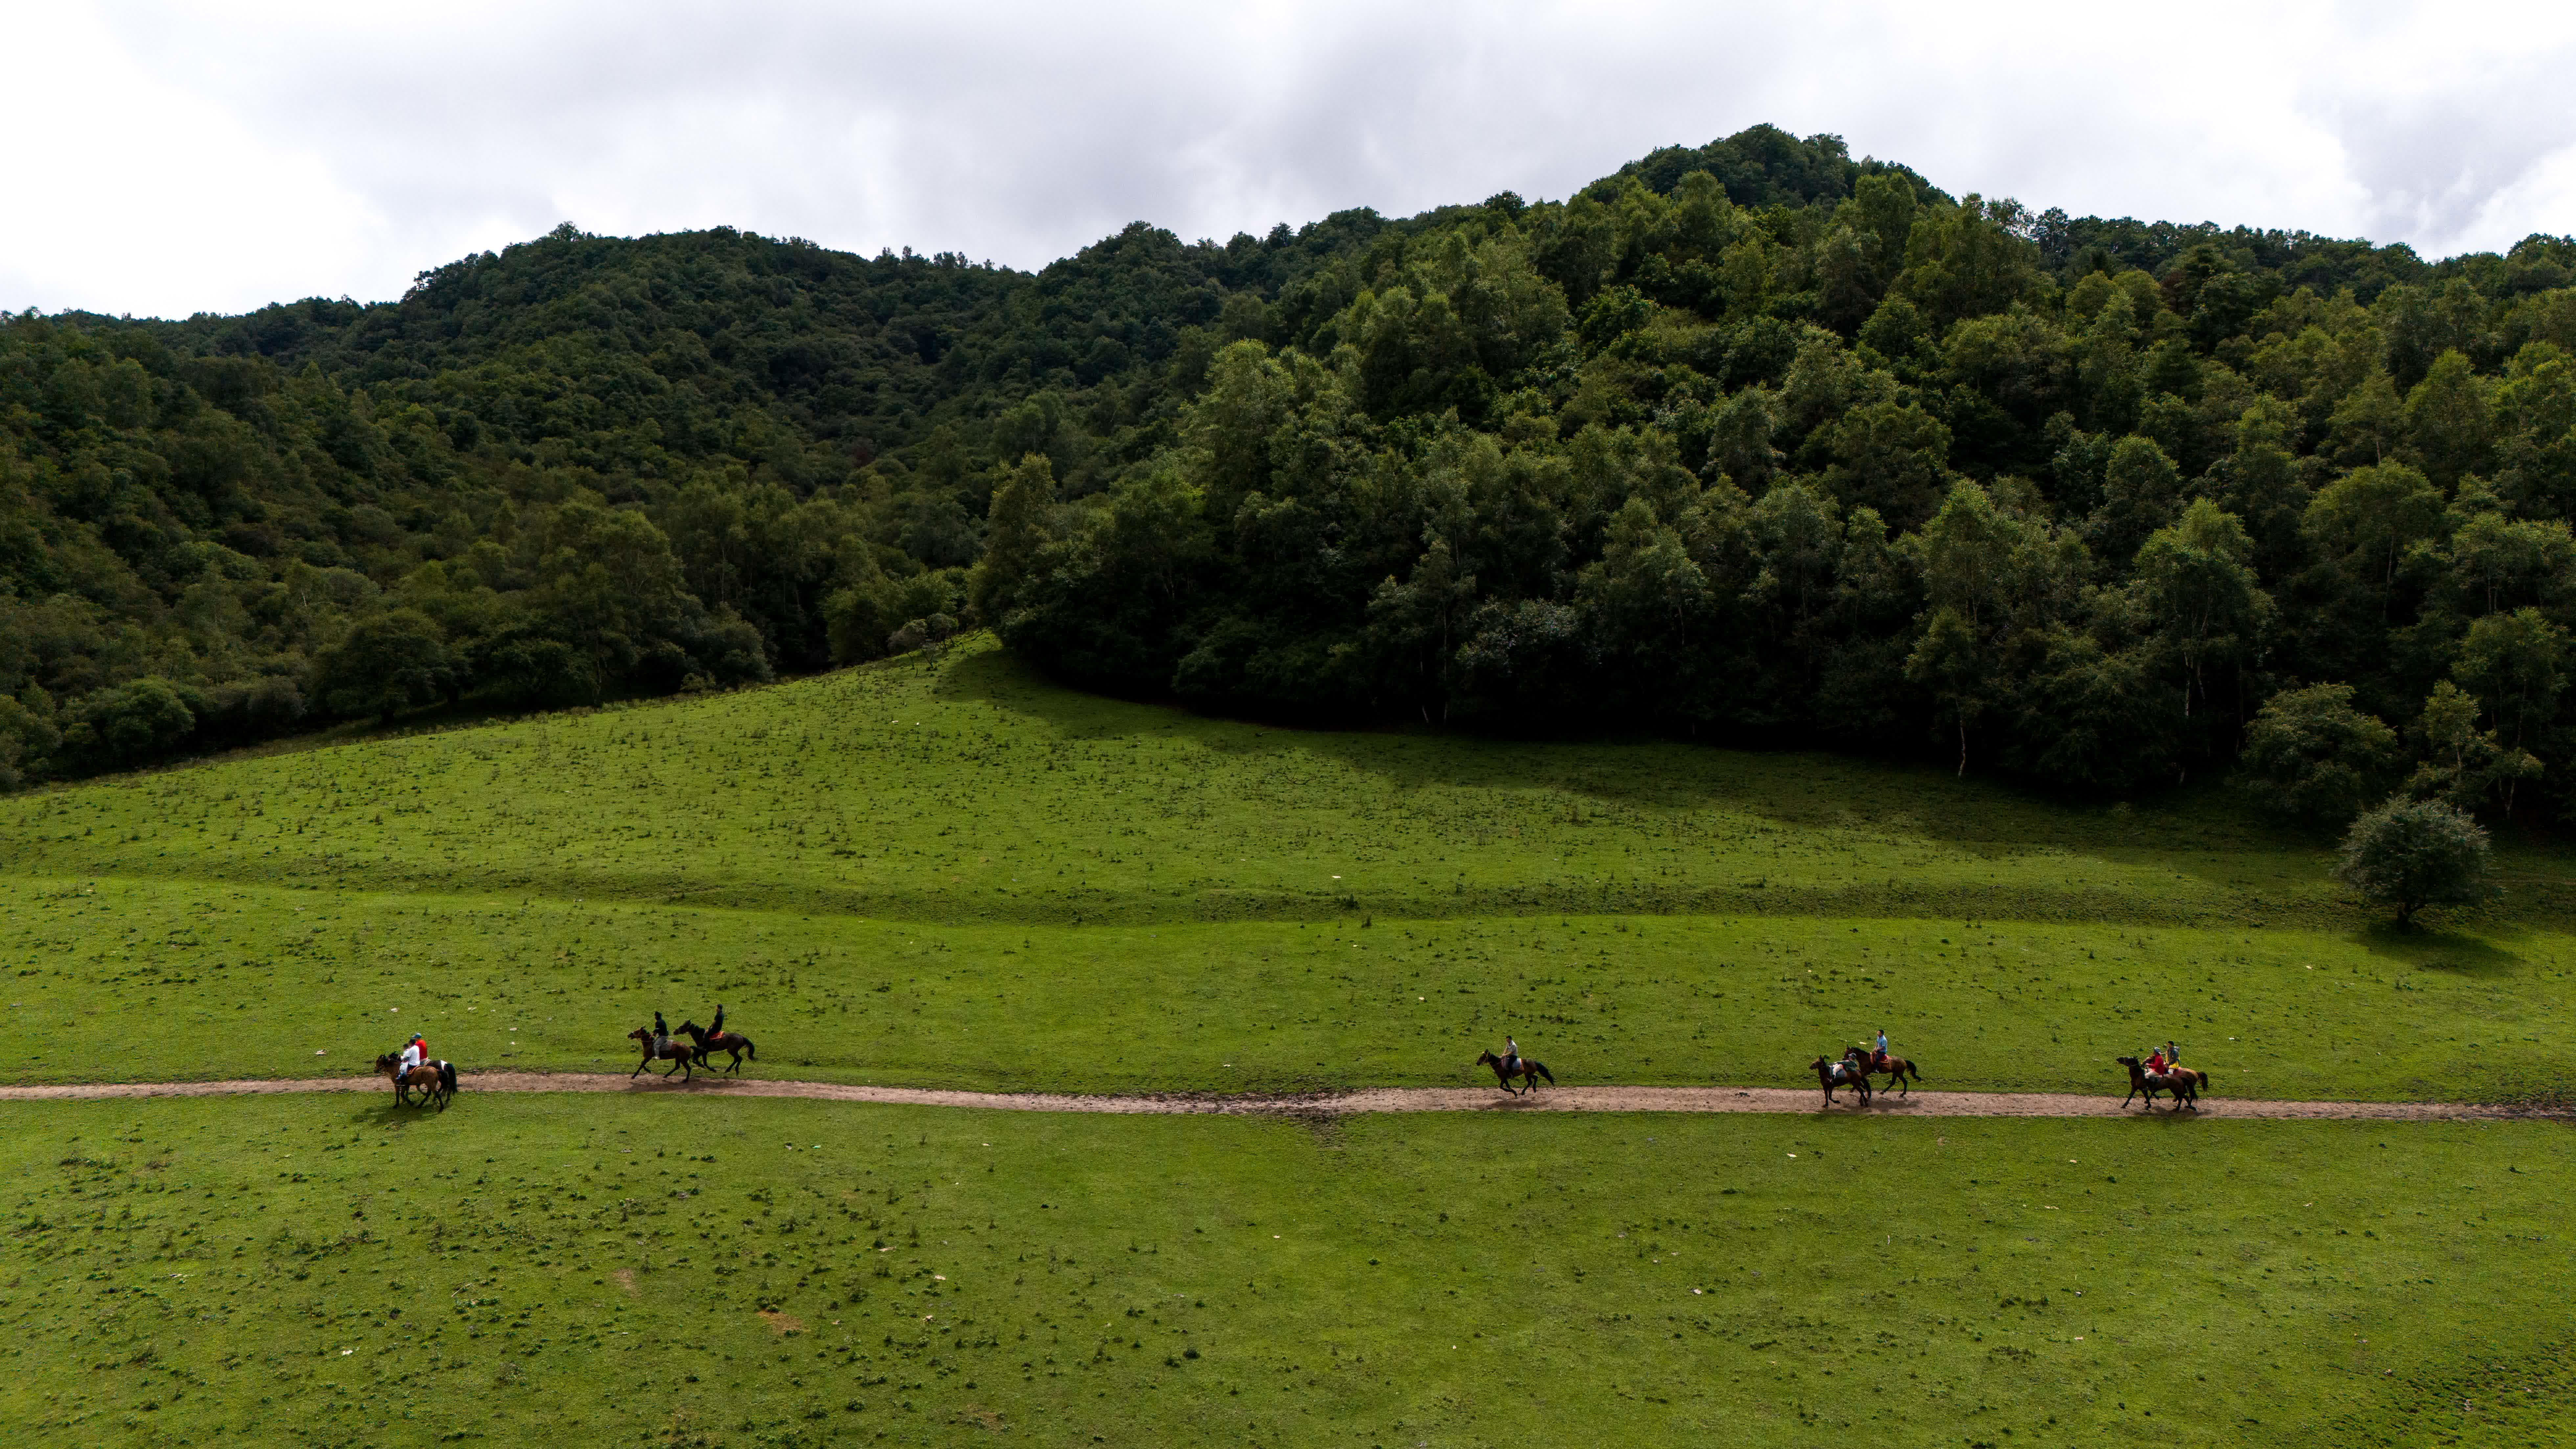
(415, 1052)
(414, 1056)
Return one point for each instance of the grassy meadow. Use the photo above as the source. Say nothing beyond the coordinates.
(165, 980)
(950, 873)
(694, 1271)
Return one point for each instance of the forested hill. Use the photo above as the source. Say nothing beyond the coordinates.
(1751, 441)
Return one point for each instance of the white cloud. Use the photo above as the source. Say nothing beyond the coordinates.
(192, 158)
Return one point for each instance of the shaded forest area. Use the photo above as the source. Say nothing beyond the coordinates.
(1753, 442)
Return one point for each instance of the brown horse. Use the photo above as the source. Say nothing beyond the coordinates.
(675, 1052)
(435, 1081)
(1830, 1075)
(1528, 1071)
(1898, 1069)
(2184, 1082)
(723, 1041)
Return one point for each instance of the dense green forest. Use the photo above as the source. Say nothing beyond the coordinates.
(1752, 442)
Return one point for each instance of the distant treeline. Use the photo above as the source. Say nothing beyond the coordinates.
(1753, 442)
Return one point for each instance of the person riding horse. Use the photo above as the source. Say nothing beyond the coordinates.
(661, 1034)
(415, 1053)
(1878, 1059)
(1511, 1055)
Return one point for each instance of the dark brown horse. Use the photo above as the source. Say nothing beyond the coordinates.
(675, 1052)
(1528, 1071)
(435, 1081)
(723, 1041)
(1830, 1075)
(2184, 1082)
(1898, 1069)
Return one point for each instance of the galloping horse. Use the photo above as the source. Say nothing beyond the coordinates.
(723, 1041)
(1528, 1071)
(1898, 1069)
(2184, 1082)
(436, 1081)
(1830, 1075)
(678, 1053)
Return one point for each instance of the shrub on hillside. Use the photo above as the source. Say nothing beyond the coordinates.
(2415, 853)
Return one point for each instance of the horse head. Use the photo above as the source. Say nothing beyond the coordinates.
(689, 1029)
(1488, 1059)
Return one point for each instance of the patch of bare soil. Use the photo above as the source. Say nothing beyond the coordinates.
(1327, 1104)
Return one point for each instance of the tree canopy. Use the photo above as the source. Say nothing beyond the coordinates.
(1752, 442)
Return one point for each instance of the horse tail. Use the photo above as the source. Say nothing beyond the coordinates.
(748, 1051)
(1544, 1072)
(447, 1075)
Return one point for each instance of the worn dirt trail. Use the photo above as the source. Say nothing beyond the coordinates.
(1322, 1104)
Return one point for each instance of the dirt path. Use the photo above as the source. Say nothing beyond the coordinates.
(1376, 1099)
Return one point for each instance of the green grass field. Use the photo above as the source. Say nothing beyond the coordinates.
(952, 874)
(777, 1272)
(949, 873)
(162, 980)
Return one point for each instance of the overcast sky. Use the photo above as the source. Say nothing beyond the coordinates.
(167, 158)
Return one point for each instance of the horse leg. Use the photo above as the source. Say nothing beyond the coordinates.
(648, 1061)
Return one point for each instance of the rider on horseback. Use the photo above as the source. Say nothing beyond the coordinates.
(2157, 1062)
(716, 1028)
(415, 1053)
(1878, 1062)
(661, 1035)
(1511, 1055)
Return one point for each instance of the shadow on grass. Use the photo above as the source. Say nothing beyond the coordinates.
(2436, 950)
(2194, 831)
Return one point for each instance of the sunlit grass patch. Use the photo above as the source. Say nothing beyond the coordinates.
(328, 1270)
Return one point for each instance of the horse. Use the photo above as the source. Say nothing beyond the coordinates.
(1830, 1075)
(1898, 1069)
(678, 1053)
(725, 1041)
(436, 1081)
(1528, 1071)
(2184, 1082)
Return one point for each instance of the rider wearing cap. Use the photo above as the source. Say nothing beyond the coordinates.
(415, 1053)
(1880, 1063)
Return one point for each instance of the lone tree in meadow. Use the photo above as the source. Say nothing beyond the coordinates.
(2415, 853)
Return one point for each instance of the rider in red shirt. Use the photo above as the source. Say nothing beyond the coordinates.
(2156, 1063)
